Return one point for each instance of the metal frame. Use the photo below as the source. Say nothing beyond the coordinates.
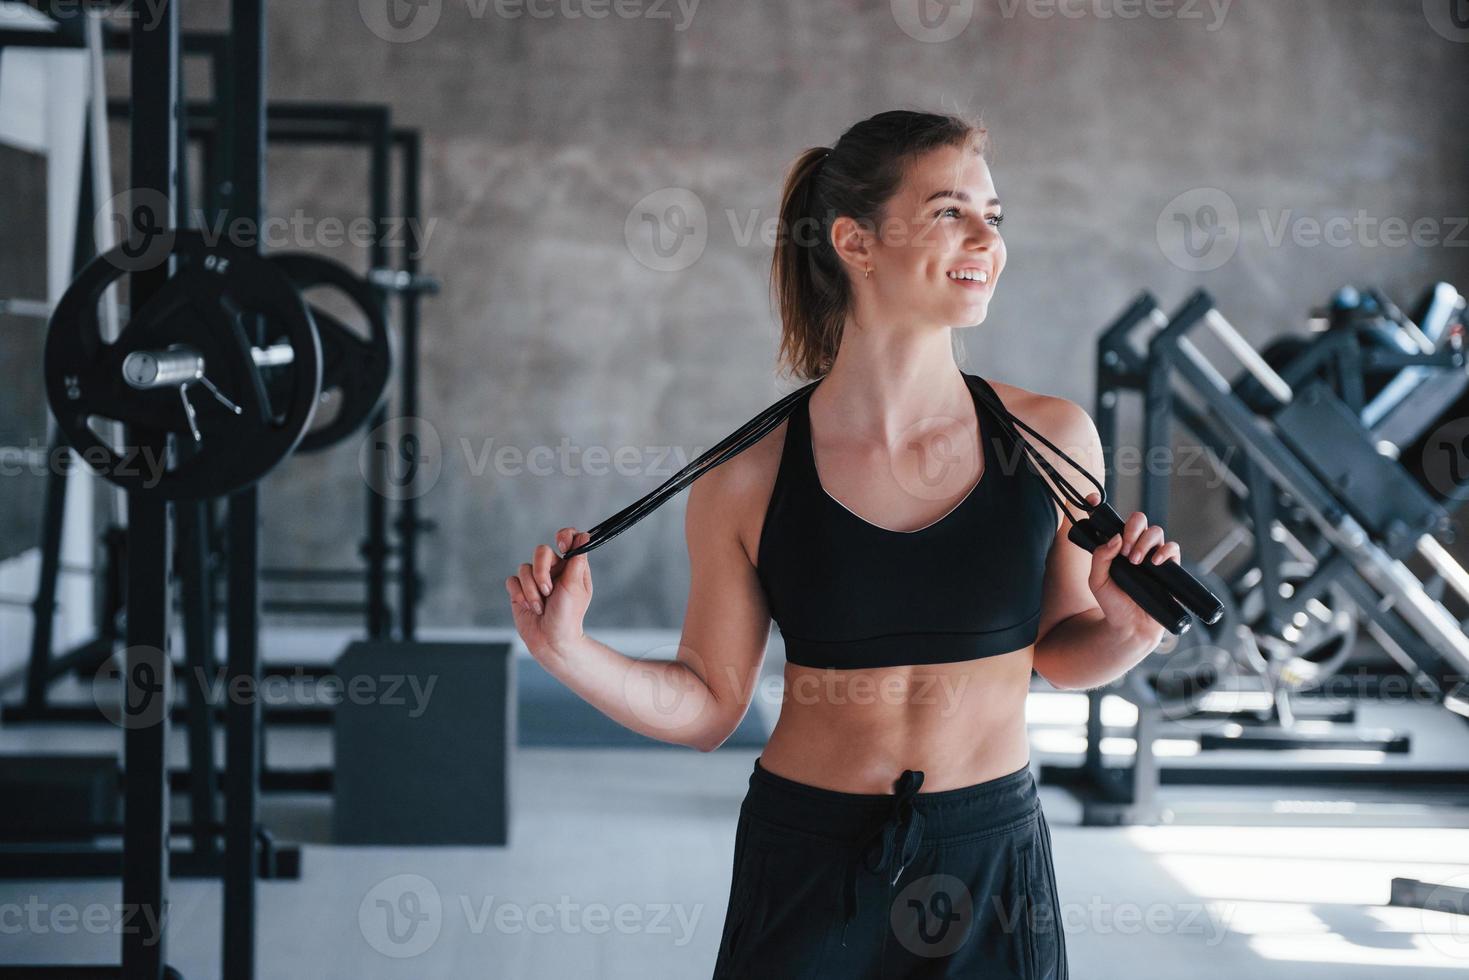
(1414, 626)
(309, 123)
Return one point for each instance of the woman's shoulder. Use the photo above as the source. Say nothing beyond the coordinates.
(1058, 419)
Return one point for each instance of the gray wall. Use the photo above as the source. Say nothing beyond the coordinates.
(544, 133)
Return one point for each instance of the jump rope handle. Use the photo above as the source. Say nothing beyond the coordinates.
(1167, 591)
(1173, 577)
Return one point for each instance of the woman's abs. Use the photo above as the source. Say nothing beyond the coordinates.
(856, 730)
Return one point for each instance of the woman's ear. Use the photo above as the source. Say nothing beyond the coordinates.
(852, 240)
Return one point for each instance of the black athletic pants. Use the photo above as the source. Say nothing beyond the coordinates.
(847, 885)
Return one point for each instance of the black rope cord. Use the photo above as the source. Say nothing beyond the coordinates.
(756, 429)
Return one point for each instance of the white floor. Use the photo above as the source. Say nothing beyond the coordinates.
(619, 867)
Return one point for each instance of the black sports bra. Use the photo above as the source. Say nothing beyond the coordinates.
(849, 594)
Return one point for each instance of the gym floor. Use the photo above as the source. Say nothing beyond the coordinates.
(1277, 889)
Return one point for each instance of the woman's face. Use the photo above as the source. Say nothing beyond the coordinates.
(939, 253)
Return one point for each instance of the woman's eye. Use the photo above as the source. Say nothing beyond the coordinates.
(997, 219)
(948, 210)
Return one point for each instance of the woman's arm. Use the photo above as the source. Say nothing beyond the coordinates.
(696, 699)
(1091, 632)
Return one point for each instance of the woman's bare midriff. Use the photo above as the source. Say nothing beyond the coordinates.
(857, 730)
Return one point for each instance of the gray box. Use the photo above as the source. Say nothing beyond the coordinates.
(423, 736)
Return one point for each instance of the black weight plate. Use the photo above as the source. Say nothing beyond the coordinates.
(214, 296)
(356, 366)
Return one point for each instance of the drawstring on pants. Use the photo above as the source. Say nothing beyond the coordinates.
(899, 837)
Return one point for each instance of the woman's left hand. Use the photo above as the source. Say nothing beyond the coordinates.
(1133, 544)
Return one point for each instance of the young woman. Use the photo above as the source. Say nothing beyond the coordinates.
(918, 571)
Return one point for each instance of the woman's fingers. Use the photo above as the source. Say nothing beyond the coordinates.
(528, 586)
(1149, 539)
(544, 561)
(512, 588)
(1136, 524)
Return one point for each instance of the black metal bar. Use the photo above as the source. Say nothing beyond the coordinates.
(154, 154)
(104, 861)
(375, 547)
(38, 672)
(246, 151)
(409, 143)
(198, 621)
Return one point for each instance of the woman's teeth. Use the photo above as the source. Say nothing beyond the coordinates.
(971, 275)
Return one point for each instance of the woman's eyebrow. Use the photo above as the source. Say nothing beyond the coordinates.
(959, 195)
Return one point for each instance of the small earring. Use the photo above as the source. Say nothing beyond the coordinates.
(869, 273)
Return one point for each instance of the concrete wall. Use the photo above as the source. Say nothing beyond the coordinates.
(543, 134)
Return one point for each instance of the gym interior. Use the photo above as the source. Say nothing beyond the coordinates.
(318, 320)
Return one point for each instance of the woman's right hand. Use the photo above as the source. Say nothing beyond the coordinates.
(549, 596)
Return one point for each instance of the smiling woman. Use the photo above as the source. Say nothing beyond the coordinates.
(887, 517)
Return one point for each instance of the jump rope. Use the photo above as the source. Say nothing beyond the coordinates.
(1166, 591)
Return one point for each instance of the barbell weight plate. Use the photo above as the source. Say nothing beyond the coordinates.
(356, 363)
(210, 304)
